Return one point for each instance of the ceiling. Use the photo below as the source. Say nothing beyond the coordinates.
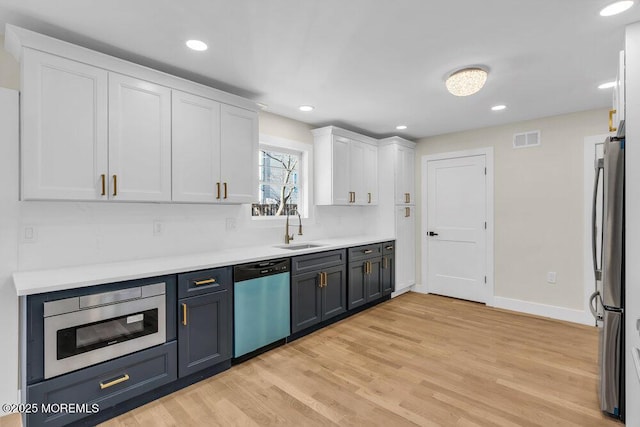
(366, 65)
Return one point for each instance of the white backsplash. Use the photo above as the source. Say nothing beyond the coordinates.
(78, 233)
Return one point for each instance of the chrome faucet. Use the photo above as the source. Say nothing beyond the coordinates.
(288, 238)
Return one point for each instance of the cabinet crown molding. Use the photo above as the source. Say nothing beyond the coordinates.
(398, 141)
(334, 130)
(17, 38)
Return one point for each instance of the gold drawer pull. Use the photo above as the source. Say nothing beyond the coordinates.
(388, 248)
(114, 382)
(368, 251)
(611, 128)
(184, 314)
(204, 282)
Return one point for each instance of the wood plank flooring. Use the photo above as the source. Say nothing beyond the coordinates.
(415, 360)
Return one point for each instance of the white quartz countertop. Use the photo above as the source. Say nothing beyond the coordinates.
(40, 281)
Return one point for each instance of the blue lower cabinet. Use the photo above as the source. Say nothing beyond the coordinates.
(82, 393)
(204, 331)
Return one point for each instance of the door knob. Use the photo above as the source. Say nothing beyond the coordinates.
(431, 233)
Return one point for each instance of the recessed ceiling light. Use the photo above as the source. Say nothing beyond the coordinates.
(198, 45)
(498, 107)
(608, 85)
(466, 81)
(306, 108)
(616, 8)
(401, 127)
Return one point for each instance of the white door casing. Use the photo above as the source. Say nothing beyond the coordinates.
(457, 202)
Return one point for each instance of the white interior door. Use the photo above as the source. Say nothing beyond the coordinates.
(456, 234)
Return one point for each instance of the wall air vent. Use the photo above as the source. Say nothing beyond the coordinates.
(526, 139)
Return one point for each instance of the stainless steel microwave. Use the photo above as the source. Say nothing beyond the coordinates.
(83, 331)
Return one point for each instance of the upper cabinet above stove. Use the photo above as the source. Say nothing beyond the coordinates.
(95, 127)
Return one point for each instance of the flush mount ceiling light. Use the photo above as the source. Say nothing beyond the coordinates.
(466, 81)
(306, 108)
(498, 107)
(198, 45)
(616, 8)
(401, 127)
(608, 85)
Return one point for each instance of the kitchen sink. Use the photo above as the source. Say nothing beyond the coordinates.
(299, 246)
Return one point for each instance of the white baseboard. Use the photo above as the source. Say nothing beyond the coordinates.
(402, 291)
(420, 289)
(554, 312)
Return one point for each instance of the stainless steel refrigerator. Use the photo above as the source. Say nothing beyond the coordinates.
(609, 274)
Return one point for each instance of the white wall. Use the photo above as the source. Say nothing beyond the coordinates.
(76, 233)
(538, 205)
(632, 224)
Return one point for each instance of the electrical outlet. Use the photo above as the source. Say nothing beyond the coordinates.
(551, 277)
(29, 234)
(157, 228)
(231, 224)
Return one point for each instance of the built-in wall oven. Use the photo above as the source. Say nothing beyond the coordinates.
(89, 329)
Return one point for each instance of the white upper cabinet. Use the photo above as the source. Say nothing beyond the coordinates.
(196, 148)
(139, 140)
(370, 174)
(239, 154)
(64, 128)
(345, 168)
(405, 175)
(95, 127)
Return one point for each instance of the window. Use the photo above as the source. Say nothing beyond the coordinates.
(280, 180)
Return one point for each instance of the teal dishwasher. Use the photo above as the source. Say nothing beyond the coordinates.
(261, 305)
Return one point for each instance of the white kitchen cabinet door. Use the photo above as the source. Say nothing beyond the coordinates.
(239, 154)
(405, 179)
(341, 189)
(405, 247)
(139, 140)
(356, 172)
(64, 128)
(196, 148)
(371, 174)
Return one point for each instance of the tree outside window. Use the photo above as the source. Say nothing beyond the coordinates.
(279, 192)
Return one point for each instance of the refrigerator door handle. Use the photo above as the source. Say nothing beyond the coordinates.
(592, 307)
(594, 228)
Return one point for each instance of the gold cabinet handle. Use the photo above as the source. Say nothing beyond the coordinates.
(407, 212)
(326, 278)
(384, 262)
(184, 314)
(122, 379)
(369, 197)
(611, 128)
(217, 190)
(204, 282)
(115, 185)
(225, 190)
(321, 278)
(103, 178)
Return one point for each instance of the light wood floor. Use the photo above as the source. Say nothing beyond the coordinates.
(415, 360)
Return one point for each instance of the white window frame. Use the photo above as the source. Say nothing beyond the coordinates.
(305, 173)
